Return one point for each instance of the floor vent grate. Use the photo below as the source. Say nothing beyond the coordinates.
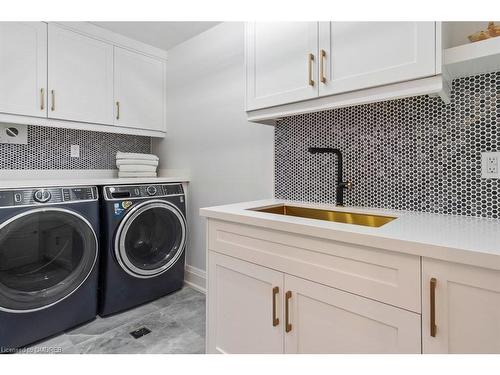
(138, 333)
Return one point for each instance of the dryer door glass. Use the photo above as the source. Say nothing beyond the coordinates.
(45, 255)
(150, 239)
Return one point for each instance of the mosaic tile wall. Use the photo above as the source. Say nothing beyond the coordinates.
(49, 148)
(413, 154)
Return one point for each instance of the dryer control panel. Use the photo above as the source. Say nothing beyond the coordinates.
(47, 195)
(119, 192)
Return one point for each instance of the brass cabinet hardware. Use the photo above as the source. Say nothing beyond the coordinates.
(42, 99)
(310, 59)
(117, 110)
(276, 320)
(433, 307)
(53, 106)
(322, 66)
(288, 325)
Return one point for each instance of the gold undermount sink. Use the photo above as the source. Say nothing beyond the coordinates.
(367, 220)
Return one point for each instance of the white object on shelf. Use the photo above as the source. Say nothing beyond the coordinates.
(474, 58)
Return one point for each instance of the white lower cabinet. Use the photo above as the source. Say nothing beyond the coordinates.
(240, 307)
(254, 309)
(271, 291)
(327, 320)
(460, 308)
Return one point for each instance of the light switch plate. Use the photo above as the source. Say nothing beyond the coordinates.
(75, 151)
(14, 134)
(490, 165)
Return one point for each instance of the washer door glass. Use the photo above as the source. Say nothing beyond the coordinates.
(150, 239)
(45, 255)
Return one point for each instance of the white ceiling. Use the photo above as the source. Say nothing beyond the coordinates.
(164, 35)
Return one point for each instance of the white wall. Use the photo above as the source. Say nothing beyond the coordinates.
(229, 159)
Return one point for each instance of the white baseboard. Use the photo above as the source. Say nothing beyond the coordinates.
(195, 278)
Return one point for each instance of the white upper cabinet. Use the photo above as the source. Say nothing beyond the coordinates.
(301, 67)
(80, 77)
(460, 308)
(280, 62)
(139, 90)
(357, 55)
(23, 68)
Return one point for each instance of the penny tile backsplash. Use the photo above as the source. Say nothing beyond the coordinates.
(49, 148)
(413, 154)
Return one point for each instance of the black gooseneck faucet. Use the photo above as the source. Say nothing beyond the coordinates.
(341, 184)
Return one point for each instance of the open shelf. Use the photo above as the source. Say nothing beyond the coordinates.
(474, 58)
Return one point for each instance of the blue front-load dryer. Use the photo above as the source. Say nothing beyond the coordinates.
(143, 242)
(48, 262)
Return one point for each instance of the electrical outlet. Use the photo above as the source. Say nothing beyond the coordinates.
(75, 151)
(490, 164)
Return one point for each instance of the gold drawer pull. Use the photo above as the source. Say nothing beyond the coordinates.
(433, 307)
(288, 325)
(53, 94)
(322, 66)
(276, 320)
(310, 59)
(42, 99)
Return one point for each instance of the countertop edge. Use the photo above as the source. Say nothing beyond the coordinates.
(451, 254)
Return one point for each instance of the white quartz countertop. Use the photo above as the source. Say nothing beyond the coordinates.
(461, 239)
(75, 181)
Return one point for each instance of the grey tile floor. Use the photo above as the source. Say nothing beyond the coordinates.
(176, 321)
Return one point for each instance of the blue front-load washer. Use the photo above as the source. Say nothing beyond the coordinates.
(143, 242)
(48, 262)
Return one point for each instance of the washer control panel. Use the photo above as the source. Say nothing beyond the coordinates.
(142, 191)
(47, 195)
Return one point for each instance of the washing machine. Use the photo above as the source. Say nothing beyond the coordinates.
(143, 240)
(48, 262)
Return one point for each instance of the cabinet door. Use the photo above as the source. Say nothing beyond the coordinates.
(80, 77)
(23, 67)
(467, 308)
(139, 90)
(278, 67)
(359, 55)
(240, 307)
(327, 320)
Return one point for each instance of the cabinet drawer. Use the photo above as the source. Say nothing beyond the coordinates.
(374, 273)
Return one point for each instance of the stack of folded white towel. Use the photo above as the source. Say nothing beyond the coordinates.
(136, 165)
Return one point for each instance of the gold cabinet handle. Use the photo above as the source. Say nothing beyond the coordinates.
(42, 99)
(433, 307)
(53, 95)
(276, 320)
(322, 66)
(288, 325)
(117, 110)
(310, 59)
